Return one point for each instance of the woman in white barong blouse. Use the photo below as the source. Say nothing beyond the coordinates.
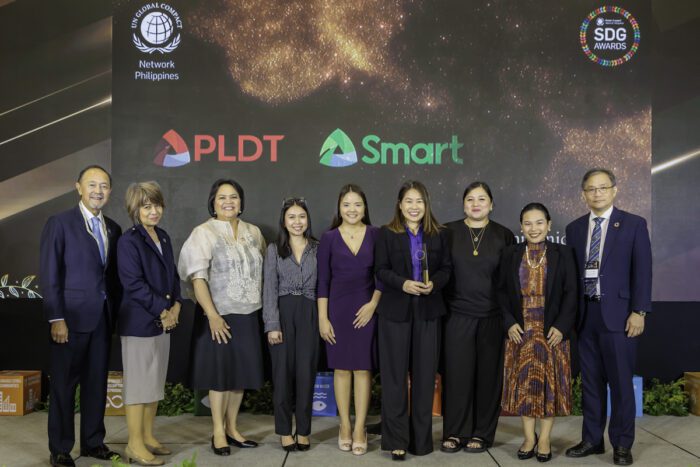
(223, 260)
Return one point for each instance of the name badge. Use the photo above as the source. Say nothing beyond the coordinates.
(592, 269)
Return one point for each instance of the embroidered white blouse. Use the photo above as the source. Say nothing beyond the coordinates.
(232, 267)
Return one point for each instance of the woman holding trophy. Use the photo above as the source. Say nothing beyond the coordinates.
(412, 261)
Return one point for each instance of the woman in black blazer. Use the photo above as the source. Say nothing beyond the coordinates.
(412, 261)
(538, 299)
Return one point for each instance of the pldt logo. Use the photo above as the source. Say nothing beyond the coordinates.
(339, 151)
(172, 151)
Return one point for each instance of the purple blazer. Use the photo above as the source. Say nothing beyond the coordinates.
(625, 269)
(75, 284)
(150, 280)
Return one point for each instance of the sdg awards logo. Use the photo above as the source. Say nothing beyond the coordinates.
(609, 36)
(156, 27)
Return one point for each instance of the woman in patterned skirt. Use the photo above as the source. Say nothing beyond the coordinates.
(538, 301)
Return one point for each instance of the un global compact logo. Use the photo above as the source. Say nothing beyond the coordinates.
(338, 150)
(156, 28)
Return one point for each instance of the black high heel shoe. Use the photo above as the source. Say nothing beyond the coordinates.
(302, 446)
(241, 444)
(225, 451)
(398, 455)
(544, 457)
(524, 455)
(290, 447)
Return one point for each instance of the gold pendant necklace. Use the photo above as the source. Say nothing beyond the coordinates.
(476, 238)
(539, 262)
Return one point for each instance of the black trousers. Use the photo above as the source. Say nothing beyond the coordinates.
(294, 364)
(473, 376)
(414, 347)
(82, 360)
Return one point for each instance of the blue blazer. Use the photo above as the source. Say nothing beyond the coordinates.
(150, 280)
(625, 269)
(74, 282)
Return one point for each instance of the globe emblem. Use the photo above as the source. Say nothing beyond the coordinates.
(156, 27)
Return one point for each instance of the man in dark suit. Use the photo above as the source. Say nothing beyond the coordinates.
(613, 253)
(81, 290)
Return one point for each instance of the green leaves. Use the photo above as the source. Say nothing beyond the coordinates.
(178, 400)
(666, 399)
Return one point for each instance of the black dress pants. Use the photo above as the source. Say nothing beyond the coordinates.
(82, 360)
(404, 347)
(473, 376)
(294, 364)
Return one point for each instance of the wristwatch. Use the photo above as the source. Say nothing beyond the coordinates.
(641, 313)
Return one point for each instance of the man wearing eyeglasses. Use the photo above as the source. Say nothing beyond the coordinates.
(613, 252)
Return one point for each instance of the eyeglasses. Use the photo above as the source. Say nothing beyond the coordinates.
(601, 189)
(290, 201)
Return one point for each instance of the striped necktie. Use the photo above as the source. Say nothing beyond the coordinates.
(593, 255)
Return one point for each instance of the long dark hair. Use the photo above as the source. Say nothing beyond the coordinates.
(283, 247)
(430, 225)
(350, 188)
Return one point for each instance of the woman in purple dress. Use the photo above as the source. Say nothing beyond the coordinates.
(347, 298)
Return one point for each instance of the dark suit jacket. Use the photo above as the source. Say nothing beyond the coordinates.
(74, 283)
(561, 295)
(393, 267)
(150, 280)
(625, 269)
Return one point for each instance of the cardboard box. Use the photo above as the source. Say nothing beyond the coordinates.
(692, 387)
(19, 391)
(115, 400)
(437, 395)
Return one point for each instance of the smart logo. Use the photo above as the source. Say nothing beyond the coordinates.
(339, 151)
(172, 151)
(338, 141)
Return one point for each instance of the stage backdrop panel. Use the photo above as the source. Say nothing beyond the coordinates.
(298, 98)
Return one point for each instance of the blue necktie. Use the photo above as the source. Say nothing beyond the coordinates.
(98, 235)
(593, 255)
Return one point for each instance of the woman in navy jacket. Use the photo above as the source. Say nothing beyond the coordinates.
(149, 310)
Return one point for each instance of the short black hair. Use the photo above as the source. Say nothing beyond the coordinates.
(94, 166)
(475, 185)
(215, 187)
(535, 207)
(598, 170)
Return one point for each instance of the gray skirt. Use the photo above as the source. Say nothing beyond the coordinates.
(145, 361)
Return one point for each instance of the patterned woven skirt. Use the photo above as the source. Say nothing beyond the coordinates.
(537, 377)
